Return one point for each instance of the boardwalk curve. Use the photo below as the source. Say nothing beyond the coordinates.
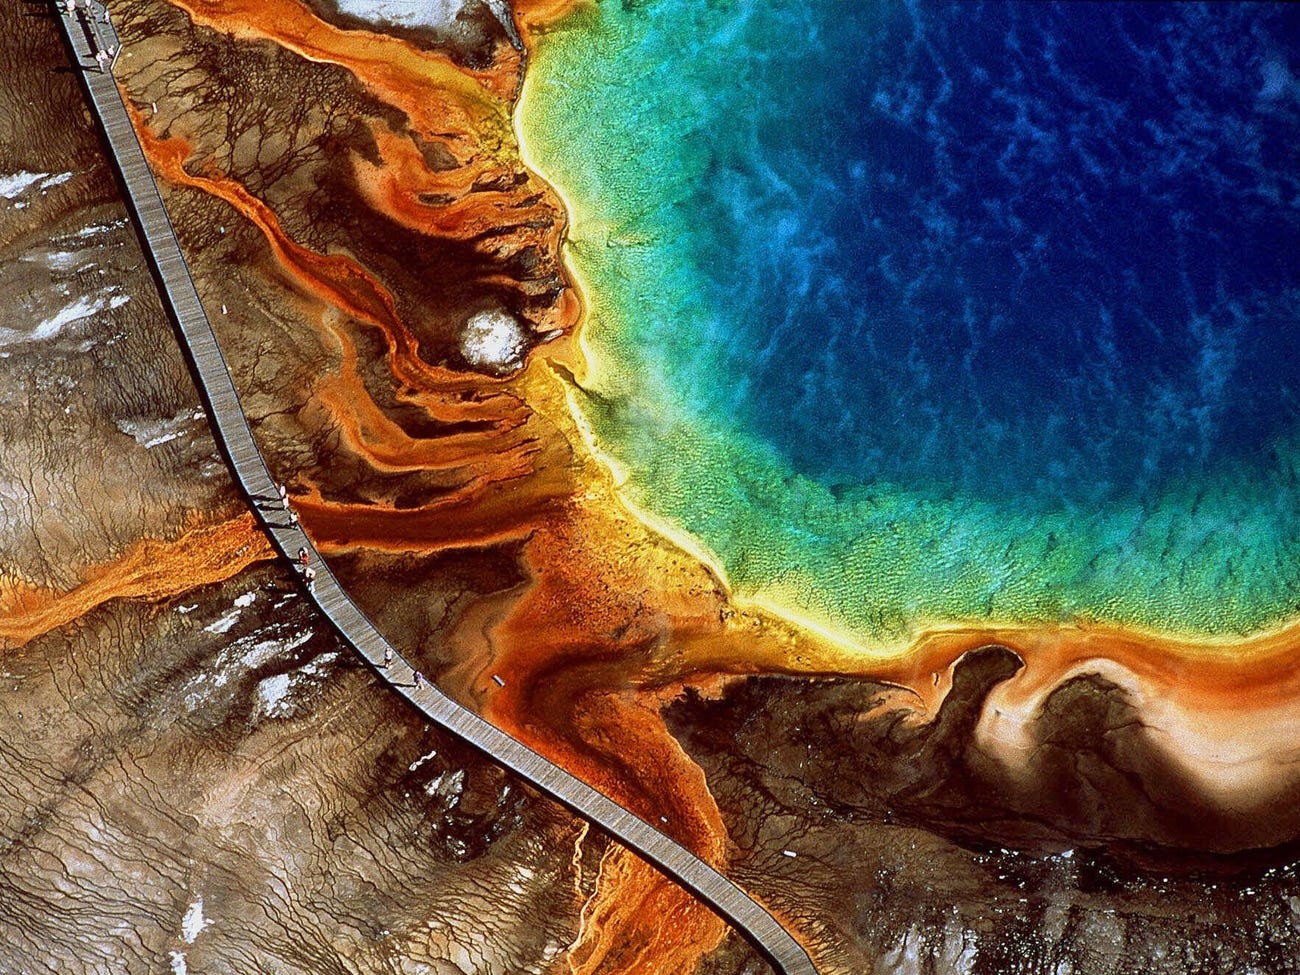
(94, 46)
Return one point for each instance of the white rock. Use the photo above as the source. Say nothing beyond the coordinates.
(224, 623)
(99, 228)
(493, 340)
(421, 760)
(438, 14)
(193, 923)
(17, 183)
(264, 650)
(272, 693)
(64, 260)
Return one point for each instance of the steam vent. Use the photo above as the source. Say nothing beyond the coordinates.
(595, 487)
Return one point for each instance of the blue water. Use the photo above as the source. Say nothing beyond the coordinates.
(937, 312)
(1033, 251)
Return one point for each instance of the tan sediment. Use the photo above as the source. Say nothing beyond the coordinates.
(1226, 707)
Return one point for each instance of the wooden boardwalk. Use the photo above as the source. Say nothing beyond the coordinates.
(87, 32)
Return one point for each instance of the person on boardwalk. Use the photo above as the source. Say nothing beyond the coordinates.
(302, 556)
(283, 492)
(267, 502)
(309, 574)
(388, 656)
(419, 680)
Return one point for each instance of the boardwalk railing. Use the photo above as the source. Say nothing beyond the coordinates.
(90, 33)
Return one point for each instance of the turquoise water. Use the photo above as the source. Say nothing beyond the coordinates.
(920, 313)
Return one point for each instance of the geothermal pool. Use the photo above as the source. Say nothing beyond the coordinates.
(913, 314)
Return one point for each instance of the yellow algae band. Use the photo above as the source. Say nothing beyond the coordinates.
(912, 563)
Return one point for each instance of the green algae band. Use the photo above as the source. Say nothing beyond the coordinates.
(925, 314)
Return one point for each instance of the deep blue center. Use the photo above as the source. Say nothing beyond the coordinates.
(1040, 250)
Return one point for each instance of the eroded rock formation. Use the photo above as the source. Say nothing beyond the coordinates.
(903, 847)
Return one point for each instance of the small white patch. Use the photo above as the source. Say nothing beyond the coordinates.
(83, 307)
(178, 963)
(789, 853)
(55, 181)
(272, 693)
(224, 623)
(314, 667)
(958, 952)
(904, 957)
(421, 760)
(193, 923)
(18, 183)
(266, 649)
(227, 620)
(236, 658)
(493, 340)
(98, 228)
(152, 433)
(162, 439)
(187, 609)
(64, 260)
(404, 13)
(448, 785)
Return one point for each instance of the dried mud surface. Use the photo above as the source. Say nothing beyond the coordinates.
(384, 274)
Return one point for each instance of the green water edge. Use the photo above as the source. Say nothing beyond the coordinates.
(871, 562)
